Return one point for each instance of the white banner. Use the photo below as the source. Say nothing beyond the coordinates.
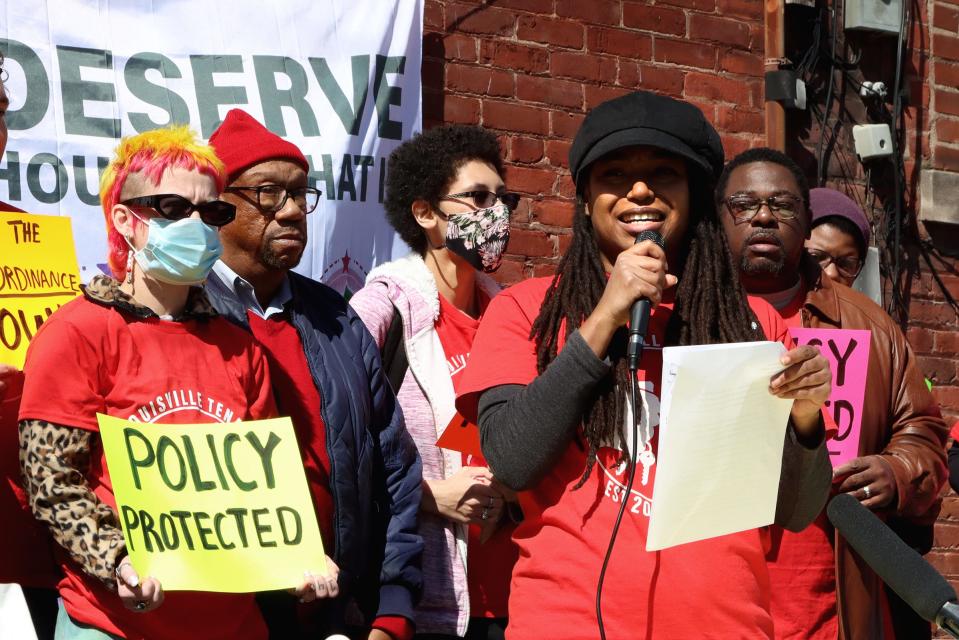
(339, 78)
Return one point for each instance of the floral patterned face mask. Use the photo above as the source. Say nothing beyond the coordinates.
(479, 237)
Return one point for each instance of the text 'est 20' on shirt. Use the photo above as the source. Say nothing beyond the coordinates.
(89, 358)
(712, 588)
(489, 563)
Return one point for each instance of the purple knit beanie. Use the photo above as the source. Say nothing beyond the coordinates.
(825, 202)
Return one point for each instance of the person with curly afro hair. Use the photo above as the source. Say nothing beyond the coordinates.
(446, 197)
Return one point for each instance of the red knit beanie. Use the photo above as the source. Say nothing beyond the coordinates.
(241, 142)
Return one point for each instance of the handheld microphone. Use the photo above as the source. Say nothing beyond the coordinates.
(912, 578)
(639, 314)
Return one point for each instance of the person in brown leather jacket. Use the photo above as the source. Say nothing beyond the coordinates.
(819, 587)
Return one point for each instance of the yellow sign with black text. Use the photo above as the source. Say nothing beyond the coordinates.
(214, 507)
(38, 274)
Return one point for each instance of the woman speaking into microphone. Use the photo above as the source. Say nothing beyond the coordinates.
(547, 381)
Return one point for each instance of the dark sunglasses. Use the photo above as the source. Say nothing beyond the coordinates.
(215, 213)
(486, 199)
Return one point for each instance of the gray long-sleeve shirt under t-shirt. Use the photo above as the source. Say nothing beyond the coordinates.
(525, 429)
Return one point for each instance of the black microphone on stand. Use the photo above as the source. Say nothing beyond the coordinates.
(912, 578)
(639, 314)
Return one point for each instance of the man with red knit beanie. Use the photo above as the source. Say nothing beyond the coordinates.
(361, 465)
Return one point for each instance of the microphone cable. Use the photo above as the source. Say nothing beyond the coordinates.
(634, 455)
(639, 318)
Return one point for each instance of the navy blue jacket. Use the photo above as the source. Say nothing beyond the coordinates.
(375, 471)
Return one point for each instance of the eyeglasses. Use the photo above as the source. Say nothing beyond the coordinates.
(846, 265)
(215, 213)
(485, 199)
(272, 197)
(783, 207)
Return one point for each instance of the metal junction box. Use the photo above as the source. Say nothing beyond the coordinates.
(883, 16)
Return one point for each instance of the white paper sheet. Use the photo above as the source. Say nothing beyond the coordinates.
(720, 442)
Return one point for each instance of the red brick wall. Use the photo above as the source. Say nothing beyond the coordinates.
(934, 327)
(931, 140)
(529, 69)
(934, 331)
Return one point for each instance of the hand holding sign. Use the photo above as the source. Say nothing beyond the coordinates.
(806, 381)
(848, 353)
(317, 586)
(214, 507)
(137, 596)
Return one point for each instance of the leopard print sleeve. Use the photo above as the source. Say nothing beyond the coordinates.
(54, 460)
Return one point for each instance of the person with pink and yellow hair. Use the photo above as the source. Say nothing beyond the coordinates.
(128, 343)
(146, 158)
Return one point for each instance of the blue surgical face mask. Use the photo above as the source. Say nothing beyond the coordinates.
(178, 251)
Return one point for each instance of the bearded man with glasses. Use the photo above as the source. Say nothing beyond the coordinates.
(361, 465)
(819, 588)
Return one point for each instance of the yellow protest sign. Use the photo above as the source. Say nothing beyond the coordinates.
(38, 274)
(213, 507)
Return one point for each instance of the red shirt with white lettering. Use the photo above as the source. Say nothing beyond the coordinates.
(88, 358)
(489, 564)
(719, 586)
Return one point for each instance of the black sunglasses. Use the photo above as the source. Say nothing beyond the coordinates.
(484, 199)
(215, 213)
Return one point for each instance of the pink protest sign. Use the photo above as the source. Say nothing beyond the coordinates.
(848, 353)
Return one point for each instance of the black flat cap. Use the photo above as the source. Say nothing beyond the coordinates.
(643, 118)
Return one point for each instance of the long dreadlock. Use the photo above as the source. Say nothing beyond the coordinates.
(704, 312)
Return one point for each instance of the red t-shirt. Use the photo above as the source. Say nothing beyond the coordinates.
(87, 359)
(298, 397)
(792, 312)
(490, 563)
(802, 566)
(720, 585)
(26, 556)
